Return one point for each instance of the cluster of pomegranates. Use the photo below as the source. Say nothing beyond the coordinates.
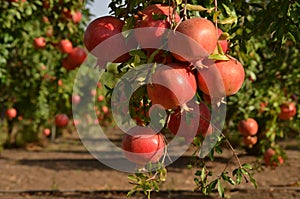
(174, 85)
(248, 128)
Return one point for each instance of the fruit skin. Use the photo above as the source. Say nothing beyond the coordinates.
(287, 111)
(61, 120)
(113, 50)
(194, 122)
(172, 86)
(39, 42)
(193, 39)
(249, 141)
(11, 113)
(221, 77)
(268, 158)
(65, 46)
(248, 127)
(157, 27)
(142, 145)
(223, 43)
(74, 59)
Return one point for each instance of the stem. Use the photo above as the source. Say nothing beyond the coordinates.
(184, 10)
(216, 10)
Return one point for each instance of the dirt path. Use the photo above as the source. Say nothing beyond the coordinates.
(67, 170)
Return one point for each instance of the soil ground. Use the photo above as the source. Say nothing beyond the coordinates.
(65, 170)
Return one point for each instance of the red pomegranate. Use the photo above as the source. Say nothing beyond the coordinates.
(74, 59)
(270, 160)
(143, 145)
(189, 124)
(76, 16)
(11, 113)
(39, 42)
(46, 132)
(65, 46)
(221, 78)
(287, 111)
(248, 127)
(157, 18)
(61, 120)
(249, 141)
(193, 39)
(172, 86)
(76, 99)
(113, 50)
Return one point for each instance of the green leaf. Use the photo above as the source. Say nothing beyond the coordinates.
(220, 188)
(247, 166)
(253, 181)
(229, 20)
(218, 57)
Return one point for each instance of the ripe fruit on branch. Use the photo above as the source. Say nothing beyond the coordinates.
(221, 78)
(65, 46)
(143, 145)
(287, 111)
(61, 120)
(172, 86)
(193, 39)
(39, 42)
(189, 124)
(113, 50)
(157, 18)
(76, 99)
(248, 127)
(74, 59)
(46, 132)
(76, 16)
(11, 113)
(270, 158)
(249, 141)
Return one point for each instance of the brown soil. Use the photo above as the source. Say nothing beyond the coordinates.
(64, 169)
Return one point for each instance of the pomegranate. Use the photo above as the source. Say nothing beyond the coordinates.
(76, 99)
(46, 132)
(221, 77)
(65, 46)
(101, 98)
(248, 127)
(223, 43)
(114, 50)
(74, 59)
(76, 16)
(172, 86)
(104, 109)
(270, 160)
(93, 92)
(39, 42)
(11, 113)
(287, 111)
(193, 39)
(189, 124)
(61, 120)
(249, 141)
(143, 145)
(157, 18)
